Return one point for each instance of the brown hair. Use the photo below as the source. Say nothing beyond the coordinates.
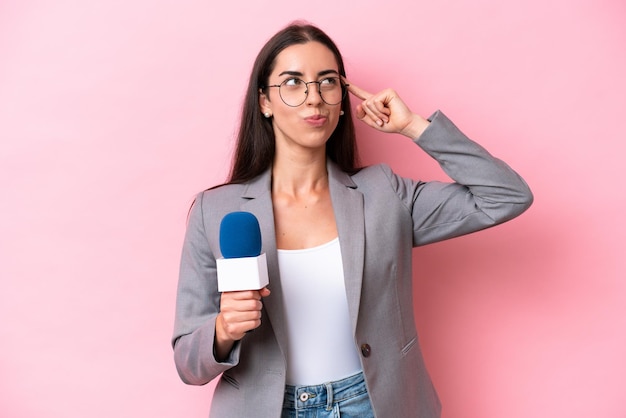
(255, 146)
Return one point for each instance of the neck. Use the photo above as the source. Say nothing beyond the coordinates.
(299, 177)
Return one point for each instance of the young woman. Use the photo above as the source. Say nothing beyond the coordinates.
(336, 334)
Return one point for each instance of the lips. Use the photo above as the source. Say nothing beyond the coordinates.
(316, 120)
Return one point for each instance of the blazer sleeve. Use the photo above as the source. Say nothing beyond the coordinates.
(197, 306)
(485, 191)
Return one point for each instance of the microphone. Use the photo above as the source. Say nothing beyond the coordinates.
(242, 266)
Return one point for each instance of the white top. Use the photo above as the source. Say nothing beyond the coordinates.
(321, 347)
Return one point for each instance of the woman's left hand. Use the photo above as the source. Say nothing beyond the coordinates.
(386, 112)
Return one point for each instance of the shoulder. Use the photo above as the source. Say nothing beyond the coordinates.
(222, 192)
(380, 185)
(378, 174)
(218, 201)
(211, 205)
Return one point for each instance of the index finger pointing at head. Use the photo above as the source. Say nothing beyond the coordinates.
(358, 92)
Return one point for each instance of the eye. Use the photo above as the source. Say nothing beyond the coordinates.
(329, 81)
(293, 82)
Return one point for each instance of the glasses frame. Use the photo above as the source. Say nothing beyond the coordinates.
(344, 90)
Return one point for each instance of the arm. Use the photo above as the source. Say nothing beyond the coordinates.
(209, 324)
(486, 191)
(197, 307)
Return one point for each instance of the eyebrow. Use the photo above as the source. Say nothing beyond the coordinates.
(299, 74)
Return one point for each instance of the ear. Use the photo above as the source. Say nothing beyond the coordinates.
(264, 102)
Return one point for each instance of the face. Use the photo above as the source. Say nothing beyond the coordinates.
(309, 125)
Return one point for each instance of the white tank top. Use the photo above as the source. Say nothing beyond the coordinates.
(321, 347)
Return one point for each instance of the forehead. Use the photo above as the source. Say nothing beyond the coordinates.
(311, 57)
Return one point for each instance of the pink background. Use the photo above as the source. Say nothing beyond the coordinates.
(113, 114)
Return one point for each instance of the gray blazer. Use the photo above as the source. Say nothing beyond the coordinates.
(380, 218)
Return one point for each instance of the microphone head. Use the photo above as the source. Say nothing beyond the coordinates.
(240, 235)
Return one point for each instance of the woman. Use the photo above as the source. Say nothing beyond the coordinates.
(336, 334)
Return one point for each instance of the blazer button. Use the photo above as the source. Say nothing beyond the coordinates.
(366, 350)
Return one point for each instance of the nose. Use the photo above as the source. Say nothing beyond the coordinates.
(313, 95)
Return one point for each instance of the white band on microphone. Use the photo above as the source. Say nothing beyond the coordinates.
(242, 273)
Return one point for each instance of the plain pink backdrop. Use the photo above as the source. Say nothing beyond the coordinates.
(113, 114)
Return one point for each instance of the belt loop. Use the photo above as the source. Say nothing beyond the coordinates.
(329, 396)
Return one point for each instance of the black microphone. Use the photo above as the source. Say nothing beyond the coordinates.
(242, 266)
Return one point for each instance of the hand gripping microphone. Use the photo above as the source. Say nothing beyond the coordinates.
(242, 266)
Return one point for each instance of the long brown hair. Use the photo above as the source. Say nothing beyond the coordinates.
(255, 146)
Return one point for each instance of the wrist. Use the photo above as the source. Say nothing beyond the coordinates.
(416, 127)
(222, 344)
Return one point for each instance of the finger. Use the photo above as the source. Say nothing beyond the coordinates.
(382, 106)
(236, 328)
(379, 103)
(376, 110)
(244, 294)
(358, 92)
(360, 112)
(247, 305)
(375, 113)
(240, 305)
(367, 118)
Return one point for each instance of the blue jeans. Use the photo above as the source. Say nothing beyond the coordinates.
(345, 398)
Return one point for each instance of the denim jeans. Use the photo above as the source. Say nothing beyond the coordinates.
(345, 398)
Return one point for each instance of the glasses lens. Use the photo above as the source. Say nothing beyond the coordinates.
(331, 90)
(294, 91)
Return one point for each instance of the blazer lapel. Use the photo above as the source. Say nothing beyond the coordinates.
(350, 219)
(258, 201)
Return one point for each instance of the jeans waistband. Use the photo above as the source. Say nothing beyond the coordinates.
(301, 397)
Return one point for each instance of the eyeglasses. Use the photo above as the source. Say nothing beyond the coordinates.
(294, 91)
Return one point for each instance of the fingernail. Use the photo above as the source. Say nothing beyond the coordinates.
(379, 122)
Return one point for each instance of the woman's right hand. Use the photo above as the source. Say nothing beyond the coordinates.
(387, 112)
(240, 312)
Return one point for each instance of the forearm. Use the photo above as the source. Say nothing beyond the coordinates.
(416, 127)
(197, 306)
(195, 358)
(485, 191)
(491, 181)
